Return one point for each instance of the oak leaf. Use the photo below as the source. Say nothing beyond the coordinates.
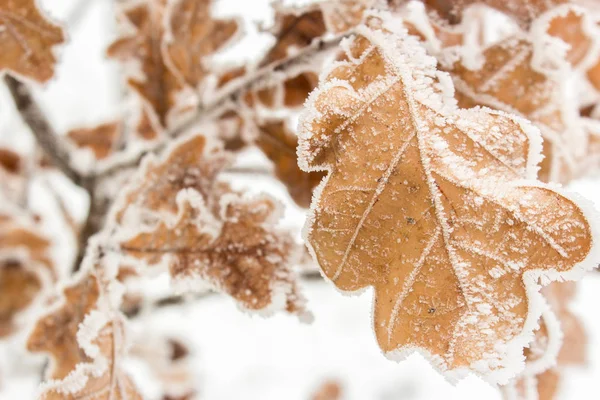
(204, 231)
(85, 341)
(27, 40)
(434, 207)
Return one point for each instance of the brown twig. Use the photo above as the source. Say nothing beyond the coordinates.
(52, 145)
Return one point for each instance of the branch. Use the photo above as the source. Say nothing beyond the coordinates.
(52, 145)
(230, 94)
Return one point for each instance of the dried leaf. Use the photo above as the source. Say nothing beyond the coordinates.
(193, 35)
(463, 233)
(85, 342)
(279, 145)
(100, 139)
(152, 79)
(241, 255)
(27, 40)
(205, 232)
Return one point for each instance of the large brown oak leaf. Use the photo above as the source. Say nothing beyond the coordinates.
(435, 207)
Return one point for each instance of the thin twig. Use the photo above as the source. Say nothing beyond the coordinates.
(52, 145)
(229, 95)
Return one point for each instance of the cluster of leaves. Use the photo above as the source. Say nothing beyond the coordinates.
(435, 147)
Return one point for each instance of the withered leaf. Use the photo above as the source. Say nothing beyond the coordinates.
(27, 40)
(157, 85)
(240, 254)
(193, 35)
(279, 143)
(85, 342)
(434, 207)
(205, 232)
(100, 139)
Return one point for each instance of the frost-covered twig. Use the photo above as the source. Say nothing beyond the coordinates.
(45, 135)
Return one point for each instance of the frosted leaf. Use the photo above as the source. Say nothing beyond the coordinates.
(85, 339)
(279, 142)
(237, 250)
(509, 82)
(192, 36)
(27, 40)
(140, 48)
(101, 140)
(434, 207)
(175, 212)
